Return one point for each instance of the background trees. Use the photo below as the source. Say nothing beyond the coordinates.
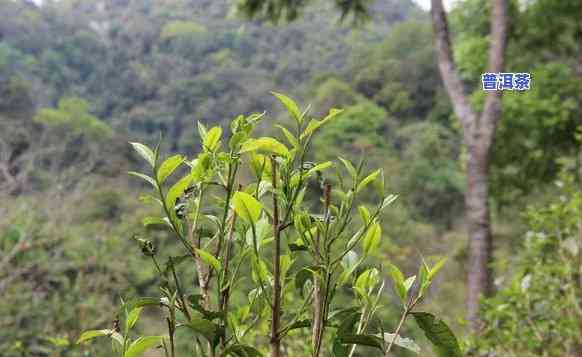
(78, 79)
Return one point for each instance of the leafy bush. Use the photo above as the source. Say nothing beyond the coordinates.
(539, 312)
(269, 264)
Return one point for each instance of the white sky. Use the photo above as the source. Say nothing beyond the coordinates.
(425, 4)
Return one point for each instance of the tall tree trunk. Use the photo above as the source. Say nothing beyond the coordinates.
(478, 135)
(479, 229)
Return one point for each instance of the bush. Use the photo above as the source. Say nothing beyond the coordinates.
(270, 265)
(539, 312)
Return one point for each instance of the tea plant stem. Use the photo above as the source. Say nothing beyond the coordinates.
(398, 328)
(275, 340)
(321, 296)
(171, 333)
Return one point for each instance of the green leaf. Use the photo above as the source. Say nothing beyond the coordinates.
(304, 274)
(211, 141)
(300, 324)
(202, 131)
(292, 140)
(315, 124)
(132, 317)
(367, 279)
(398, 280)
(169, 166)
(241, 351)
(140, 302)
(208, 259)
(388, 200)
(237, 139)
(364, 214)
(146, 153)
(91, 334)
(371, 177)
(291, 106)
(177, 190)
(371, 240)
(347, 324)
(146, 178)
(423, 278)
(351, 169)
(139, 346)
(435, 269)
(444, 342)
(204, 327)
(362, 340)
(379, 183)
(408, 282)
(149, 221)
(247, 207)
(407, 343)
(319, 167)
(267, 144)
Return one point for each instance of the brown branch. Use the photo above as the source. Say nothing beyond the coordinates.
(276, 315)
(449, 73)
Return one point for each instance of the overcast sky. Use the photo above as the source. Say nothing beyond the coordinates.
(425, 4)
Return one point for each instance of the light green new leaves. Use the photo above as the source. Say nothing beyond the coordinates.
(371, 240)
(146, 153)
(267, 144)
(247, 207)
(292, 140)
(169, 166)
(132, 317)
(146, 178)
(427, 274)
(436, 268)
(349, 167)
(177, 190)
(139, 346)
(444, 342)
(371, 177)
(315, 124)
(290, 105)
(398, 280)
(208, 259)
(211, 140)
(91, 334)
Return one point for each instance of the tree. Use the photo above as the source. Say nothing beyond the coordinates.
(478, 135)
(478, 128)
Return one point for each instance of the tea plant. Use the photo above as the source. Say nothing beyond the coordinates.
(263, 254)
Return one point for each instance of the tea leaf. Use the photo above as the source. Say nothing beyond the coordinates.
(247, 207)
(146, 153)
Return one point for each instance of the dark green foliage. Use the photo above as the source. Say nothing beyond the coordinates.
(537, 310)
(164, 65)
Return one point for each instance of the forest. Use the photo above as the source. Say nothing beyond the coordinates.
(290, 178)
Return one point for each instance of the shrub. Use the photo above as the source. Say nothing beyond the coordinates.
(538, 313)
(270, 264)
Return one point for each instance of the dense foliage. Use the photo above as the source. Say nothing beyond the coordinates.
(79, 79)
(537, 312)
(300, 257)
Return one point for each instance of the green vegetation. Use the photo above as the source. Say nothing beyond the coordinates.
(81, 79)
(224, 225)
